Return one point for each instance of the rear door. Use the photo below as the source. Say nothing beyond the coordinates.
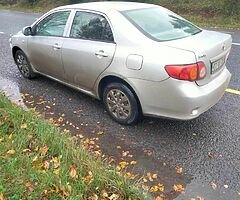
(45, 45)
(89, 50)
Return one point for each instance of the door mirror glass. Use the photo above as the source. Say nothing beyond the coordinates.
(27, 30)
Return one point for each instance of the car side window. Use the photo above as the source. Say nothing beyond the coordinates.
(91, 26)
(52, 25)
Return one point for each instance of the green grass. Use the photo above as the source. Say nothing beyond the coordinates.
(37, 161)
(204, 14)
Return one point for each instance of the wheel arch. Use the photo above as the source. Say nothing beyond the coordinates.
(112, 79)
(14, 50)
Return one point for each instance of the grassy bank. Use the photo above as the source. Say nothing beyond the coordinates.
(205, 13)
(38, 161)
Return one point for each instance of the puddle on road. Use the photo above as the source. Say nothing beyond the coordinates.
(12, 92)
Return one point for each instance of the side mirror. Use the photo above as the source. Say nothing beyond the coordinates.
(27, 30)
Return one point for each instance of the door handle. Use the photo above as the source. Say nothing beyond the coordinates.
(101, 53)
(56, 46)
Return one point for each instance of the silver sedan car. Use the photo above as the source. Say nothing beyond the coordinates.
(137, 58)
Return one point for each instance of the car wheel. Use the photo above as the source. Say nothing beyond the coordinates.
(121, 103)
(24, 65)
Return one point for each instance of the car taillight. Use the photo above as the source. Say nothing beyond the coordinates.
(190, 72)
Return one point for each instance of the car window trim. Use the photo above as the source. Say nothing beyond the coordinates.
(93, 12)
(50, 13)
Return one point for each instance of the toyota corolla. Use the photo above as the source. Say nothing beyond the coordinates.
(137, 58)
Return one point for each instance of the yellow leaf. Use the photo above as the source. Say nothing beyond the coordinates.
(125, 153)
(118, 147)
(100, 133)
(159, 198)
(133, 162)
(123, 164)
(23, 126)
(161, 187)
(89, 177)
(11, 152)
(73, 171)
(178, 188)
(1, 139)
(154, 188)
(10, 136)
(60, 119)
(26, 150)
(1, 197)
(179, 170)
(56, 171)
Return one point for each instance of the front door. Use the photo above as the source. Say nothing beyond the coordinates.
(89, 49)
(45, 46)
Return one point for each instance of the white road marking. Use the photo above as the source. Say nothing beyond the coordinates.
(238, 44)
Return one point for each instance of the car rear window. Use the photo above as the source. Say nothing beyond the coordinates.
(160, 24)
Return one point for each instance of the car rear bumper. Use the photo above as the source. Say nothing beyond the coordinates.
(179, 99)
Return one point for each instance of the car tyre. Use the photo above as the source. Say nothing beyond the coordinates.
(24, 65)
(121, 103)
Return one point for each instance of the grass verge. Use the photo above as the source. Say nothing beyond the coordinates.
(38, 161)
(204, 19)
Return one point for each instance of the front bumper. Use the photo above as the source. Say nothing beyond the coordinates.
(178, 99)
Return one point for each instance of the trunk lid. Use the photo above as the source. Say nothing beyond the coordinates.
(210, 47)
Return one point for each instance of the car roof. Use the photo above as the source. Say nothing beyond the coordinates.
(108, 5)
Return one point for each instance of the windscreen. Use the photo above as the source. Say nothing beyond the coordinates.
(160, 24)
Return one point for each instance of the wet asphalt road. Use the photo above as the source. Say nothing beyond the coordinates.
(207, 148)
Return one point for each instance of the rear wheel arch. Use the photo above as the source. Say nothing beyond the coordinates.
(115, 79)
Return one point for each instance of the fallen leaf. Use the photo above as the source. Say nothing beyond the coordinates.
(159, 198)
(179, 170)
(1, 139)
(26, 150)
(178, 188)
(100, 133)
(1, 197)
(29, 186)
(11, 152)
(44, 151)
(93, 197)
(210, 155)
(113, 197)
(118, 147)
(125, 153)
(161, 187)
(73, 171)
(123, 164)
(133, 162)
(154, 188)
(23, 126)
(89, 178)
(46, 165)
(213, 185)
(154, 176)
(104, 194)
